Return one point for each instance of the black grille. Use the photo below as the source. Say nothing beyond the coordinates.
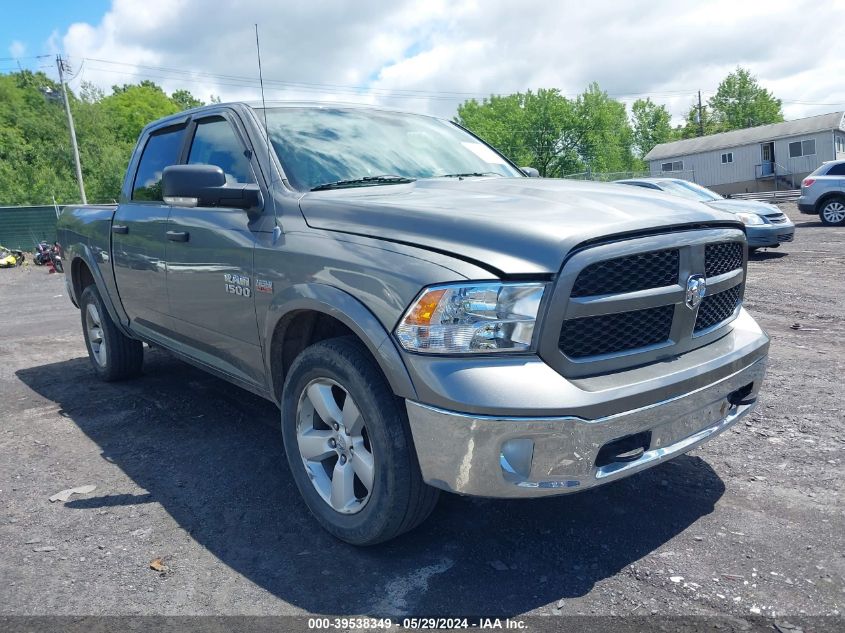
(716, 308)
(628, 274)
(777, 218)
(722, 258)
(786, 237)
(613, 333)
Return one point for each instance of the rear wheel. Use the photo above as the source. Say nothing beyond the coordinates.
(832, 212)
(114, 355)
(349, 445)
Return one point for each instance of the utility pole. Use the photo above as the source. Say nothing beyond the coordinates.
(700, 116)
(61, 66)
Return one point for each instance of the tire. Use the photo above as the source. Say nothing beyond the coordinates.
(397, 500)
(832, 211)
(113, 355)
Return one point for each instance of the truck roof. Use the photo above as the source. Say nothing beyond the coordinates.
(257, 105)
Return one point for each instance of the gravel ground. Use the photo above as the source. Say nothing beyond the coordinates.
(190, 470)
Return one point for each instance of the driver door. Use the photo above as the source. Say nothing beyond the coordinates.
(209, 252)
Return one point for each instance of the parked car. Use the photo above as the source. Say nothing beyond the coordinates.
(823, 193)
(765, 224)
(425, 316)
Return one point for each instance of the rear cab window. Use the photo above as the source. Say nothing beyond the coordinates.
(161, 150)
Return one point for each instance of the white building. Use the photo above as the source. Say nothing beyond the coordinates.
(761, 158)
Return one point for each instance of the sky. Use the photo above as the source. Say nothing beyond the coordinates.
(432, 55)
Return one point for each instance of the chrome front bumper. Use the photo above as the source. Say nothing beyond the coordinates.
(505, 456)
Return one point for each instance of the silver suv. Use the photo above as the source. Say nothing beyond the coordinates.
(823, 193)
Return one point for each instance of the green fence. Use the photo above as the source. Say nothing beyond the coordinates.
(24, 227)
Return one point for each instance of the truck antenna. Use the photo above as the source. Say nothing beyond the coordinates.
(276, 229)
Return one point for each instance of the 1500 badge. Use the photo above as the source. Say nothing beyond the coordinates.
(237, 284)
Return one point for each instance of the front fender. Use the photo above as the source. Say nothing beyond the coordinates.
(353, 314)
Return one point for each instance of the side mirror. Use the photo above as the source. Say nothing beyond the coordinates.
(530, 172)
(205, 186)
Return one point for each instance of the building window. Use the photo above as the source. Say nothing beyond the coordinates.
(677, 165)
(727, 157)
(802, 148)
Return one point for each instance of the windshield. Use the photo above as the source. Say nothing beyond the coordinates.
(317, 146)
(689, 190)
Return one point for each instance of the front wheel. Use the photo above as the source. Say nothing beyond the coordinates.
(833, 212)
(114, 355)
(349, 445)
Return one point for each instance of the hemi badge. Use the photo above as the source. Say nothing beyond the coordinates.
(262, 285)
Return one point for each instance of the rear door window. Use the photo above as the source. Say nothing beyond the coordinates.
(161, 150)
(215, 143)
(837, 170)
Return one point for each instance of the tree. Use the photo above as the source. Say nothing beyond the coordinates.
(604, 132)
(184, 100)
(91, 93)
(741, 102)
(36, 163)
(692, 128)
(652, 125)
(35, 159)
(131, 107)
(554, 134)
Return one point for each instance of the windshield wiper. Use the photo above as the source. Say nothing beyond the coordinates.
(469, 174)
(366, 181)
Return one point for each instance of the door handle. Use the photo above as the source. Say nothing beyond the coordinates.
(178, 236)
(120, 228)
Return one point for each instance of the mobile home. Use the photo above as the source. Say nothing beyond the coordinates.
(763, 158)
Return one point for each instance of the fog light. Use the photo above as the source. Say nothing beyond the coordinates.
(515, 459)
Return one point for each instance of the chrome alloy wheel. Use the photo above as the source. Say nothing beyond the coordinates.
(834, 212)
(94, 331)
(334, 445)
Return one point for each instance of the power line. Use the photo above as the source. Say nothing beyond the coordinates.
(333, 88)
(241, 81)
(7, 59)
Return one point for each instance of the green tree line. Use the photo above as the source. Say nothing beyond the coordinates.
(36, 162)
(559, 135)
(544, 129)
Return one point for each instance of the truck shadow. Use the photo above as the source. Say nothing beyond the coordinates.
(763, 255)
(211, 455)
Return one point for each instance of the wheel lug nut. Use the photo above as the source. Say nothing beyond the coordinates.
(336, 426)
(343, 459)
(332, 443)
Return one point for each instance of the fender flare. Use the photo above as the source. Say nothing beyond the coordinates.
(353, 314)
(81, 252)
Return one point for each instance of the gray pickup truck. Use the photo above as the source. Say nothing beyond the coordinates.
(425, 316)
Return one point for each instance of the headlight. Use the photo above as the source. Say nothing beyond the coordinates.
(480, 318)
(750, 219)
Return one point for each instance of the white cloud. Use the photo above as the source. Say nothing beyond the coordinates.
(429, 56)
(17, 49)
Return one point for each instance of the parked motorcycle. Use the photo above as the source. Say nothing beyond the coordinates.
(43, 253)
(9, 258)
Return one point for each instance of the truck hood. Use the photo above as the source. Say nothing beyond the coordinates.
(507, 225)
